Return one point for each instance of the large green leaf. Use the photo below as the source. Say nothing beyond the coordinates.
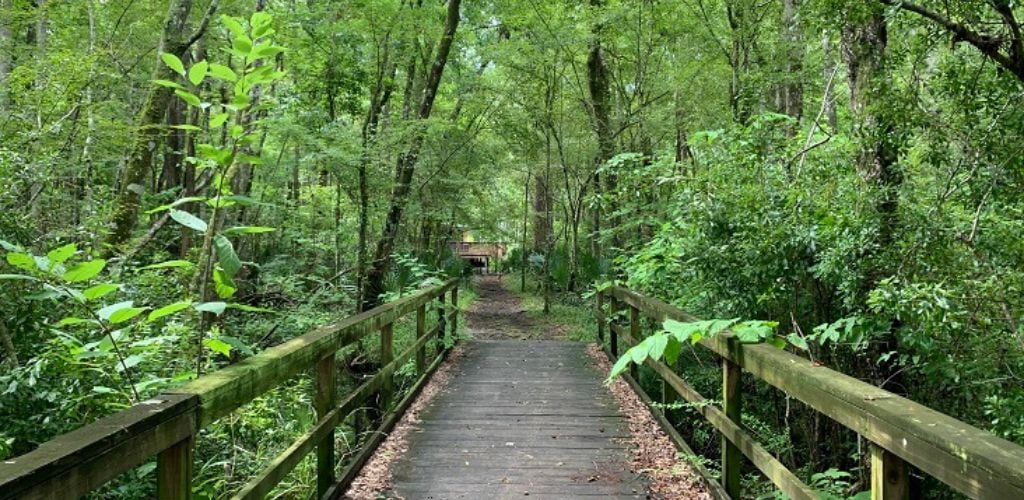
(223, 284)
(169, 309)
(60, 254)
(218, 346)
(188, 220)
(232, 231)
(125, 314)
(97, 291)
(197, 72)
(173, 62)
(108, 311)
(168, 264)
(212, 307)
(84, 271)
(226, 256)
(22, 261)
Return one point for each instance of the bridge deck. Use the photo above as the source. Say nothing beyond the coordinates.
(520, 418)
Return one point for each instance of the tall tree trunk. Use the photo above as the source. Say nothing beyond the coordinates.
(864, 43)
(6, 51)
(792, 92)
(541, 203)
(406, 164)
(600, 103)
(828, 70)
(139, 160)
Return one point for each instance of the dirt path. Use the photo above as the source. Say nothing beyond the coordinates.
(499, 314)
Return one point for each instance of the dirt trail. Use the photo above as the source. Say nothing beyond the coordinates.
(498, 314)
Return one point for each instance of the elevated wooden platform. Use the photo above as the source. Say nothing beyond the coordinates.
(520, 419)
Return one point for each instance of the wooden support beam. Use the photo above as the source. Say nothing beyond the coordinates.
(421, 330)
(324, 400)
(387, 353)
(455, 315)
(599, 315)
(889, 476)
(613, 336)
(441, 326)
(174, 471)
(634, 332)
(731, 456)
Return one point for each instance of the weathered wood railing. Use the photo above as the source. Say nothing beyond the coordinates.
(167, 425)
(974, 462)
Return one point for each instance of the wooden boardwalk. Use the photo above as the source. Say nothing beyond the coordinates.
(520, 419)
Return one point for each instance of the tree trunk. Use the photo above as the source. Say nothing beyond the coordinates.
(6, 50)
(792, 92)
(139, 160)
(828, 52)
(600, 103)
(406, 165)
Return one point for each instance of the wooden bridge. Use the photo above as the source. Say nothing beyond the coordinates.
(484, 255)
(521, 418)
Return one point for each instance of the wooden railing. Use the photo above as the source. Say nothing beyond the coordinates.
(167, 425)
(974, 462)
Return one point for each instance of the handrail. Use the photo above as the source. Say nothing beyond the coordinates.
(970, 460)
(82, 460)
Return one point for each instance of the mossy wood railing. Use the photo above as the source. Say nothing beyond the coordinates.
(970, 460)
(167, 425)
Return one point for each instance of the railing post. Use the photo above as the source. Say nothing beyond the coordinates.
(455, 314)
(323, 401)
(387, 354)
(421, 330)
(174, 471)
(599, 315)
(613, 336)
(441, 324)
(889, 476)
(634, 332)
(669, 396)
(731, 458)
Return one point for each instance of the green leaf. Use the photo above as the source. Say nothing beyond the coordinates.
(197, 72)
(130, 362)
(97, 291)
(189, 98)
(222, 72)
(232, 231)
(672, 350)
(218, 346)
(211, 307)
(60, 254)
(223, 284)
(71, 320)
(226, 255)
(125, 314)
(180, 201)
(108, 311)
(169, 309)
(248, 308)
(188, 220)
(10, 247)
(797, 341)
(173, 62)
(232, 24)
(21, 261)
(20, 277)
(268, 51)
(169, 84)
(217, 120)
(260, 19)
(84, 271)
(168, 264)
(242, 44)
(659, 341)
(619, 367)
(186, 127)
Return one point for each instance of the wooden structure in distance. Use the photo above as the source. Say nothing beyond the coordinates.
(483, 255)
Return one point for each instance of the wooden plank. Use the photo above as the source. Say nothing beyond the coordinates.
(889, 476)
(974, 462)
(323, 401)
(227, 389)
(731, 458)
(634, 333)
(387, 354)
(519, 411)
(421, 330)
(75, 463)
(174, 471)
